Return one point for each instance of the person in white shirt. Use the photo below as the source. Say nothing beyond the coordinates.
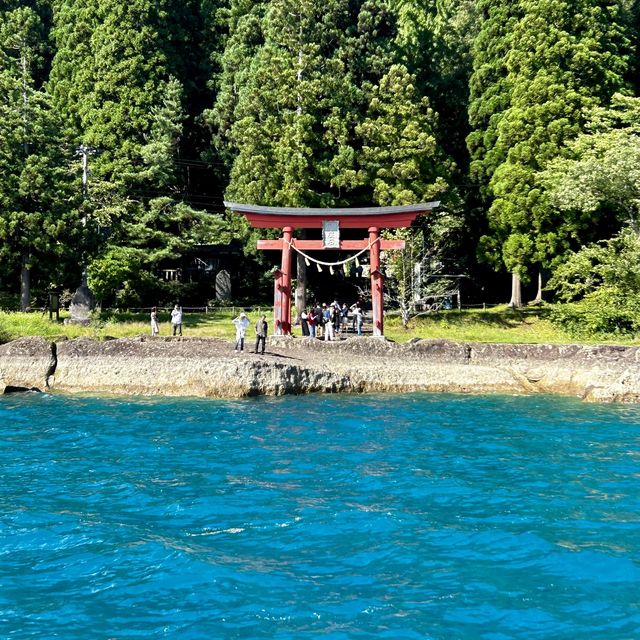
(154, 321)
(176, 320)
(241, 322)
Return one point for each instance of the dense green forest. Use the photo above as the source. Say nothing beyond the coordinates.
(124, 126)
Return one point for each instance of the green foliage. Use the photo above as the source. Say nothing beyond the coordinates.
(39, 222)
(291, 85)
(613, 264)
(490, 87)
(606, 312)
(561, 57)
(600, 178)
(317, 104)
(132, 114)
(117, 268)
(400, 157)
(436, 39)
(601, 283)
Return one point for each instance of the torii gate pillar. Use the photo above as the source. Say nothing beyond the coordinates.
(283, 286)
(377, 282)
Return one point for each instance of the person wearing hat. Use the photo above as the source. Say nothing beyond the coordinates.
(241, 322)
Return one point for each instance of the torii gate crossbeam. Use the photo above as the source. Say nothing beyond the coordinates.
(289, 218)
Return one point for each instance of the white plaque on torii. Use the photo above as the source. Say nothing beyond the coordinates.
(331, 234)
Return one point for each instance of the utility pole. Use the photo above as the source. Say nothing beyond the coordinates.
(85, 151)
(82, 301)
(25, 271)
(301, 281)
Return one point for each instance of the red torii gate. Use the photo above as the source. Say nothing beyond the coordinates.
(330, 221)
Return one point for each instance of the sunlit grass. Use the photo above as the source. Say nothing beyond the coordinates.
(499, 324)
(215, 324)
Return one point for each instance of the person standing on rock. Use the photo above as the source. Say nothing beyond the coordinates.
(312, 321)
(304, 323)
(328, 323)
(176, 320)
(155, 330)
(344, 318)
(241, 322)
(261, 333)
(317, 312)
(357, 316)
(335, 317)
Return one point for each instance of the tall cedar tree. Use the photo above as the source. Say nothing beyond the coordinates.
(565, 56)
(489, 98)
(72, 74)
(310, 94)
(37, 214)
(436, 39)
(490, 87)
(401, 160)
(283, 109)
(132, 114)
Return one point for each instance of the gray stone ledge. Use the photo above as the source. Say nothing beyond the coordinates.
(210, 367)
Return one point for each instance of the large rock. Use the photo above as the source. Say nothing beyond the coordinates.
(210, 367)
(596, 373)
(26, 364)
(180, 368)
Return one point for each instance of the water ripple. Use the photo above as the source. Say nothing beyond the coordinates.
(419, 516)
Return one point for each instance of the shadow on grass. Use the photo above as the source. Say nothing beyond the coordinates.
(503, 318)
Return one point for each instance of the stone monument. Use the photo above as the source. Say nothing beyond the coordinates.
(81, 305)
(223, 285)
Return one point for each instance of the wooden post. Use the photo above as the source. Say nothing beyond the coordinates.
(377, 282)
(277, 302)
(285, 284)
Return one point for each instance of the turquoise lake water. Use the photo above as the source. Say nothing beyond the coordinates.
(338, 517)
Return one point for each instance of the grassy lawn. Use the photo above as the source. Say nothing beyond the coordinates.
(499, 324)
(116, 325)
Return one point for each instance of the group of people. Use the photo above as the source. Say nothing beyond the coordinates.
(176, 321)
(328, 321)
(242, 324)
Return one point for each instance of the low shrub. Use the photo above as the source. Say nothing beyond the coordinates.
(605, 312)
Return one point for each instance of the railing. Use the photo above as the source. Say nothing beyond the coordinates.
(234, 310)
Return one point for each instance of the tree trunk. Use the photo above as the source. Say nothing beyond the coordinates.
(405, 314)
(516, 291)
(25, 282)
(301, 285)
(538, 298)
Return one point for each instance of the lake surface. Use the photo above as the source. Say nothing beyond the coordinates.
(334, 517)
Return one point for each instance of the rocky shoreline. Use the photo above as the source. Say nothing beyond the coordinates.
(211, 368)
